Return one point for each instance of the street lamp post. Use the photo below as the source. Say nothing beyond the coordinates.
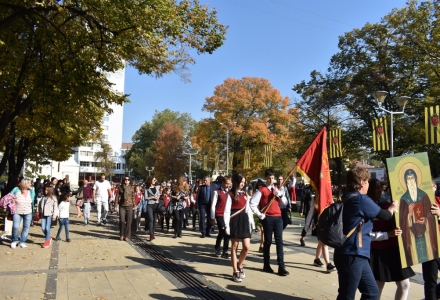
(227, 148)
(149, 171)
(380, 96)
(190, 158)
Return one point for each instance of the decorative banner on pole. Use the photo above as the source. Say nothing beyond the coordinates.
(205, 162)
(314, 164)
(380, 134)
(231, 160)
(267, 156)
(335, 147)
(247, 159)
(216, 162)
(432, 131)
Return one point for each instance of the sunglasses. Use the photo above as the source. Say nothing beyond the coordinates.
(126, 179)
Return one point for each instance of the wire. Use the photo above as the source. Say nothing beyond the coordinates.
(282, 16)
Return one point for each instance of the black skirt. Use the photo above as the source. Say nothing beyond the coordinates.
(386, 265)
(239, 226)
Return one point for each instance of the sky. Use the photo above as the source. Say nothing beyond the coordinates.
(280, 40)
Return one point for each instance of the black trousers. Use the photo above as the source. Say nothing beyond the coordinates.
(285, 217)
(273, 225)
(194, 215)
(151, 217)
(125, 218)
(222, 234)
(178, 220)
(430, 275)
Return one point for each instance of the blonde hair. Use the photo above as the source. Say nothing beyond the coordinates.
(24, 182)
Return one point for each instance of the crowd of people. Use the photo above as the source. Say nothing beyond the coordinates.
(368, 259)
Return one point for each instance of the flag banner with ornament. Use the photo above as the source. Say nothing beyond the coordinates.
(268, 156)
(247, 159)
(335, 147)
(217, 156)
(205, 162)
(230, 160)
(432, 132)
(380, 134)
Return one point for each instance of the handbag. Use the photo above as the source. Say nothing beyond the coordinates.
(289, 220)
(80, 194)
(37, 217)
(170, 210)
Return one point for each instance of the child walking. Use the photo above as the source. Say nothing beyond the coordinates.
(64, 208)
(87, 207)
(49, 210)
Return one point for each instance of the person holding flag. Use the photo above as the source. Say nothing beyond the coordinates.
(268, 198)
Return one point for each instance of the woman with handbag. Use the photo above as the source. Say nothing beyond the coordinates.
(179, 197)
(24, 203)
(236, 218)
(152, 197)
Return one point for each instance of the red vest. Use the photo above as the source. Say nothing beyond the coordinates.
(221, 203)
(238, 204)
(274, 209)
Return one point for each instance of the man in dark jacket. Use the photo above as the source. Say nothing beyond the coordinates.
(203, 204)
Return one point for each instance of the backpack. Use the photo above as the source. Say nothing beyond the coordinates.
(330, 225)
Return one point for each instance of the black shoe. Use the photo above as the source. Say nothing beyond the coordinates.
(179, 235)
(218, 252)
(331, 268)
(202, 236)
(104, 221)
(302, 243)
(267, 269)
(208, 235)
(194, 229)
(175, 236)
(99, 224)
(318, 263)
(225, 255)
(282, 271)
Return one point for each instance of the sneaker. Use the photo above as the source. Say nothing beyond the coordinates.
(331, 268)
(57, 238)
(68, 240)
(22, 245)
(318, 263)
(241, 270)
(236, 277)
(225, 255)
(45, 244)
(218, 252)
(50, 241)
(14, 244)
(303, 244)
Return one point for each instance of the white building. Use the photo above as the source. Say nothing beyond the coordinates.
(82, 164)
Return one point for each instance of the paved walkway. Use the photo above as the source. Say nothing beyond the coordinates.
(96, 265)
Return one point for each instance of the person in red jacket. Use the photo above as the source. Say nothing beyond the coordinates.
(217, 212)
(265, 204)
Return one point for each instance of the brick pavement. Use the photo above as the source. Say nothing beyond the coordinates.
(96, 265)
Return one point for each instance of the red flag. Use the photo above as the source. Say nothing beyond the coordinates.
(314, 164)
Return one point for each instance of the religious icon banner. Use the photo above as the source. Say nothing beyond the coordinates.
(380, 134)
(432, 131)
(411, 185)
(335, 146)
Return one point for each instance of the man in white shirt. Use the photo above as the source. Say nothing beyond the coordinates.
(102, 191)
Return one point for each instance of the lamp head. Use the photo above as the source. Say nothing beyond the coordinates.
(402, 101)
(379, 96)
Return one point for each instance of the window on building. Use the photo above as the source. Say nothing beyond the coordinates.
(84, 163)
(94, 164)
(118, 166)
(123, 166)
(89, 145)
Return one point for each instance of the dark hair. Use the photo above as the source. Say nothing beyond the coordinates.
(372, 189)
(236, 180)
(269, 172)
(354, 178)
(64, 197)
(149, 181)
(50, 192)
(409, 172)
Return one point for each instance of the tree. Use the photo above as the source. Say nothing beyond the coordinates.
(255, 114)
(104, 158)
(398, 55)
(169, 157)
(142, 152)
(59, 52)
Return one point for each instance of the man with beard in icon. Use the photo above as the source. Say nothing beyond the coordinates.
(417, 223)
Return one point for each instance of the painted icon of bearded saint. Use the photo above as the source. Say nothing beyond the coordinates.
(417, 223)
